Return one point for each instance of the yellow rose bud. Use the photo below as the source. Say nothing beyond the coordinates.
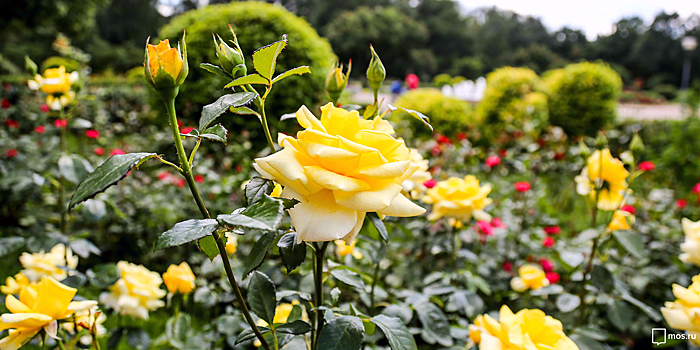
(527, 329)
(339, 168)
(621, 221)
(165, 67)
(459, 199)
(336, 81)
(179, 278)
(691, 245)
(529, 277)
(681, 314)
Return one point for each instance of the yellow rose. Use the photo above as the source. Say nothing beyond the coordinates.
(85, 320)
(613, 177)
(15, 285)
(179, 278)
(525, 330)
(621, 221)
(166, 67)
(52, 264)
(682, 314)
(136, 293)
(54, 82)
(529, 277)
(413, 186)
(231, 242)
(39, 307)
(340, 168)
(691, 246)
(344, 249)
(459, 199)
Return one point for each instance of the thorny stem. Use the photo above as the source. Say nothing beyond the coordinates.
(260, 103)
(318, 295)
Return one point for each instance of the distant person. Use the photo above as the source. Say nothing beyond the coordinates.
(412, 81)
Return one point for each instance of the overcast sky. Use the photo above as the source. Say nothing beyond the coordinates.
(592, 16)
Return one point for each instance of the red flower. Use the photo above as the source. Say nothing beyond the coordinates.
(93, 134)
(45, 108)
(503, 153)
(186, 130)
(430, 183)
(496, 222)
(461, 136)
(681, 203)
(552, 230)
(436, 150)
(507, 266)
(199, 178)
(485, 227)
(61, 123)
(492, 161)
(552, 277)
(442, 139)
(99, 151)
(696, 188)
(522, 186)
(6, 104)
(40, 129)
(647, 166)
(11, 153)
(548, 242)
(559, 156)
(179, 123)
(629, 208)
(162, 176)
(180, 182)
(12, 124)
(547, 265)
(117, 151)
(238, 168)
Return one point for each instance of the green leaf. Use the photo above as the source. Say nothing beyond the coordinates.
(248, 79)
(244, 111)
(115, 338)
(107, 174)
(295, 327)
(399, 337)
(212, 111)
(138, 339)
(185, 232)
(289, 203)
(619, 313)
(602, 278)
(292, 254)
(264, 214)
(434, 322)
(209, 247)
(215, 133)
(265, 58)
(295, 314)
(586, 343)
(568, 302)
(631, 241)
(648, 310)
(83, 248)
(418, 115)
(74, 168)
(256, 188)
(261, 296)
(177, 326)
(103, 276)
(298, 70)
(10, 244)
(248, 334)
(379, 225)
(348, 277)
(343, 333)
(214, 69)
(257, 254)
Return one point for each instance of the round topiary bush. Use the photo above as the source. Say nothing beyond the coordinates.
(512, 102)
(256, 24)
(583, 97)
(448, 115)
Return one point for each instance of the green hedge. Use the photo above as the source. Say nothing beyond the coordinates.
(448, 115)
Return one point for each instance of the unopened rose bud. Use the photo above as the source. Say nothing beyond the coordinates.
(231, 58)
(30, 66)
(376, 73)
(601, 141)
(637, 145)
(583, 149)
(165, 67)
(336, 81)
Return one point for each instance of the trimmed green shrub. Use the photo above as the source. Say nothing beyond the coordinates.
(512, 102)
(448, 115)
(583, 97)
(256, 24)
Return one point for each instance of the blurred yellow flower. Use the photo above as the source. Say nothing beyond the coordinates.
(682, 314)
(459, 199)
(86, 319)
(165, 66)
(231, 242)
(179, 278)
(57, 84)
(136, 293)
(39, 307)
(529, 329)
(14, 285)
(413, 186)
(691, 246)
(604, 171)
(529, 277)
(53, 264)
(341, 167)
(621, 220)
(344, 249)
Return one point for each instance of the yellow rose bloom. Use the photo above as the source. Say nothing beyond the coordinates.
(459, 199)
(340, 168)
(682, 314)
(39, 307)
(136, 293)
(413, 186)
(57, 84)
(525, 330)
(344, 249)
(621, 220)
(691, 245)
(179, 278)
(613, 176)
(231, 242)
(15, 285)
(529, 277)
(52, 264)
